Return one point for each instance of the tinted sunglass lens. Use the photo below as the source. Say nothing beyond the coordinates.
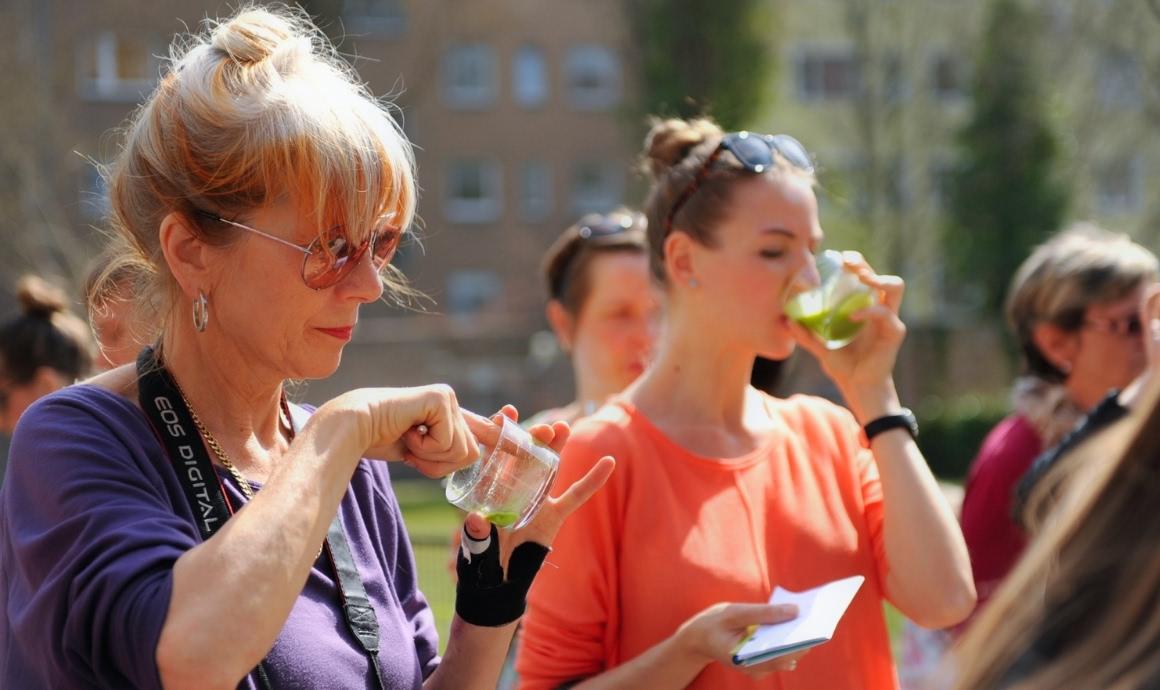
(752, 151)
(793, 151)
(383, 249)
(325, 266)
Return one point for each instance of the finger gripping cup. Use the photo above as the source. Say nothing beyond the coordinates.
(826, 309)
(509, 482)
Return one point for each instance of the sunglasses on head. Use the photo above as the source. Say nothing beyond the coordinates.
(593, 227)
(331, 256)
(755, 152)
(604, 224)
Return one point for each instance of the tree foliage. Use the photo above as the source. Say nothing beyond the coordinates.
(1006, 194)
(704, 57)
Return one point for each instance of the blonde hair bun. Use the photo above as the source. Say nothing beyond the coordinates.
(255, 35)
(670, 141)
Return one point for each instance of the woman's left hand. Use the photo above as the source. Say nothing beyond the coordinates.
(868, 361)
(552, 514)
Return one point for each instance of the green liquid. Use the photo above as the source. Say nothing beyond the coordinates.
(841, 327)
(834, 326)
(502, 518)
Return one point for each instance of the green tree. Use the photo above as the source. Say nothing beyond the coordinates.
(699, 57)
(1006, 193)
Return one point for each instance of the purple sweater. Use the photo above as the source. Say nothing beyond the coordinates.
(92, 519)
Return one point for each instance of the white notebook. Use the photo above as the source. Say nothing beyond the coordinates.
(819, 610)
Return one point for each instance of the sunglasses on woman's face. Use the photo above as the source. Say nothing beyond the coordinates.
(753, 151)
(331, 257)
(1123, 326)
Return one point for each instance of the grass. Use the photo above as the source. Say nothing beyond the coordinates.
(431, 521)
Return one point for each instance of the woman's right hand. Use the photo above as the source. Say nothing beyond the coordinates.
(387, 425)
(713, 634)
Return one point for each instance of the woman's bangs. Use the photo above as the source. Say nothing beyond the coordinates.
(353, 174)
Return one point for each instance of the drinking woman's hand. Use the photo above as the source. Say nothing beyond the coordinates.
(868, 361)
(713, 634)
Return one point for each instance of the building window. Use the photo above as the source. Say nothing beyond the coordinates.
(827, 75)
(469, 77)
(1119, 186)
(117, 68)
(1118, 82)
(374, 17)
(530, 77)
(947, 80)
(596, 186)
(474, 191)
(472, 291)
(535, 190)
(593, 78)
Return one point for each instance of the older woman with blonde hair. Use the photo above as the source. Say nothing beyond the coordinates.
(179, 523)
(1074, 309)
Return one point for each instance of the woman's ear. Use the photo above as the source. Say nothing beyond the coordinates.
(1058, 346)
(680, 264)
(563, 324)
(186, 254)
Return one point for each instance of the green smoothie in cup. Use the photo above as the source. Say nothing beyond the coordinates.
(826, 310)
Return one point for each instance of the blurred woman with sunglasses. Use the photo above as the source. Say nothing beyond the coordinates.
(1074, 308)
(178, 523)
(724, 493)
(603, 307)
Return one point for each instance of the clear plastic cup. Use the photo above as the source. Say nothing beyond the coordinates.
(826, 309)
(510, 481)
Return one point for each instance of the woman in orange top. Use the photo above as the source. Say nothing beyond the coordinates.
(723, 493)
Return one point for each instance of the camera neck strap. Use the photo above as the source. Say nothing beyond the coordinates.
(172, 421)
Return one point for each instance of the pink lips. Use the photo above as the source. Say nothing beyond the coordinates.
(340, 333)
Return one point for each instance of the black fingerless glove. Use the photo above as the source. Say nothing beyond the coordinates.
(482, 596)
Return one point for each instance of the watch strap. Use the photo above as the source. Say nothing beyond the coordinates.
(903, 419)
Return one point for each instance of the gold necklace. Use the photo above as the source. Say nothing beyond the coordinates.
(243, 483)
(217, 449)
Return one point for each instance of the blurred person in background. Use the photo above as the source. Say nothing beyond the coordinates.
(1111, 410)
(602, 307)
(1082, 608)
(1074, 309)
(723, 493)
(604, 311)
(109, 291)
(43, 349)
(178, 523)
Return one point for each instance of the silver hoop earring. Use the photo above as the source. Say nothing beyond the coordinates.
(200, 312)
(693, 283)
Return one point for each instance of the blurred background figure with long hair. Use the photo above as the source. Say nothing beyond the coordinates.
(1082, 609)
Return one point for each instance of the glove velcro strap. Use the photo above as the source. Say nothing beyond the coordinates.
(483, 596)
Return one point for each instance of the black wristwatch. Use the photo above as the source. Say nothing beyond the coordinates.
(903, 419)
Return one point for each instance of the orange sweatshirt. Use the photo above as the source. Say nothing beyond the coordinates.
(672, 533)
